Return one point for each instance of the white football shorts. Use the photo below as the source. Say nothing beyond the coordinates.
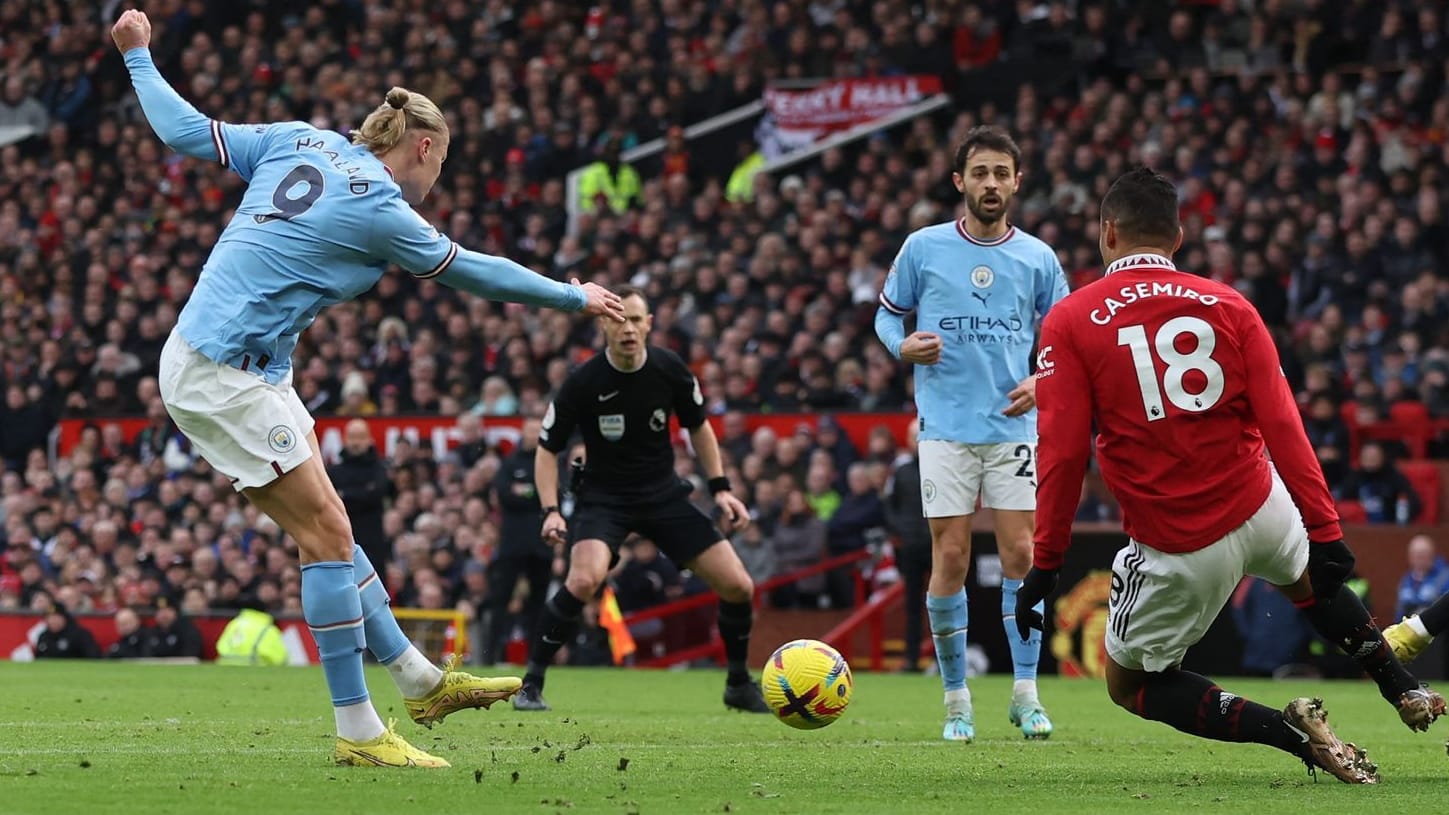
(1162, 604)
(954, 475)
(245, 427)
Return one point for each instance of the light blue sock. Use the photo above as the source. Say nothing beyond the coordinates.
(385, 638)
(948, 630)
(1025, 654)
(333, 610)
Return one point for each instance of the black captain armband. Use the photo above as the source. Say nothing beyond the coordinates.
(719, 485)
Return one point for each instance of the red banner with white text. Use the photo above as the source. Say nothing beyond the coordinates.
(795, 118)
(439, 434)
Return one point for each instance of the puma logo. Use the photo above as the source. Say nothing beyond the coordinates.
(982, 297)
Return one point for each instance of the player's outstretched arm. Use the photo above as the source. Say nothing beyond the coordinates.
(400, 235)
(498, 278)
(175, 121)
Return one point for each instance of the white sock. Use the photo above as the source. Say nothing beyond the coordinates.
(1023, 692)
(958, 700)
(1417, 626)
(414, 673)
(358, 722)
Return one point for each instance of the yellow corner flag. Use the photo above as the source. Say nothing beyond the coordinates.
(621, 642)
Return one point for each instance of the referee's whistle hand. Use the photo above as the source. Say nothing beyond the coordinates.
(921, 348)
(555, 529)
(601, 301)
(733, 512)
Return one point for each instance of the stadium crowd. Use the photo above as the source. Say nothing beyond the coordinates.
(1308, 138)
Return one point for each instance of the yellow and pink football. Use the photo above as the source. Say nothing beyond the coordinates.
(807, 684)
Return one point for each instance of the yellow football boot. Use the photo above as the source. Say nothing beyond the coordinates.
(1405, 641)
(460, 691)
(387, 750)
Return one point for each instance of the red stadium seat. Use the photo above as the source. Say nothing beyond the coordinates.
(1409, 413)
(1424, 475)
(1414, 425)
(1351, 512)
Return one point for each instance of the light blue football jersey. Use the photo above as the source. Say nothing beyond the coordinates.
(319, 223)
(985, 301)
(302, 239)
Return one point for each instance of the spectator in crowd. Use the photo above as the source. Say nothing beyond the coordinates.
(645, 579)
(251, 638)
(1273, 631)
(851, 528)
(799, 543)
(21, 114)
(830, 438)
(609, 184)
(1331, 439)
(160, 440)
(1386, 495)
(362, 482)
(756, 551)
(24, 426)
(134, 639)
(906, 518)
(64, 638)
(820, 490)
(1426, 579)
(522, 553)
(176, 635)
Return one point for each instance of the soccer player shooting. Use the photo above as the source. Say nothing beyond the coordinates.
(1181, 379)
(320, 221)
(978, 286)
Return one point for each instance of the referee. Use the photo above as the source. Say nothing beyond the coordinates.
(620, 401)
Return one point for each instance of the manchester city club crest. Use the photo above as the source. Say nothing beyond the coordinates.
(982, 277)
(281, 438)
(928, 490)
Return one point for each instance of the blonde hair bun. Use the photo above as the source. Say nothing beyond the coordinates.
(384, 128)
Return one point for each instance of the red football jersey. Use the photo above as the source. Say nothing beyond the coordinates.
(1182, 381)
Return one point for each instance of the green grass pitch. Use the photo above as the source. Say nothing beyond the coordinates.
(99, 738)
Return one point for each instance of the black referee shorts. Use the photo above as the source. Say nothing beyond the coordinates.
(674, 524)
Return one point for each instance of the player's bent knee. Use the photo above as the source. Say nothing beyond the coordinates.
(738, 590)
(1126, 695)
(582, 584)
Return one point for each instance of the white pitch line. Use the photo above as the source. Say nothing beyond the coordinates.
(477, 748)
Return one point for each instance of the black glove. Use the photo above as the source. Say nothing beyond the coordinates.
(1034, 589)
(1329, 564)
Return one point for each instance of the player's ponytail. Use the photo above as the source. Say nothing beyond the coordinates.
(401, 109)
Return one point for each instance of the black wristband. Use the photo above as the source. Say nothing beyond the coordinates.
(547, 511)
(719, 485)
